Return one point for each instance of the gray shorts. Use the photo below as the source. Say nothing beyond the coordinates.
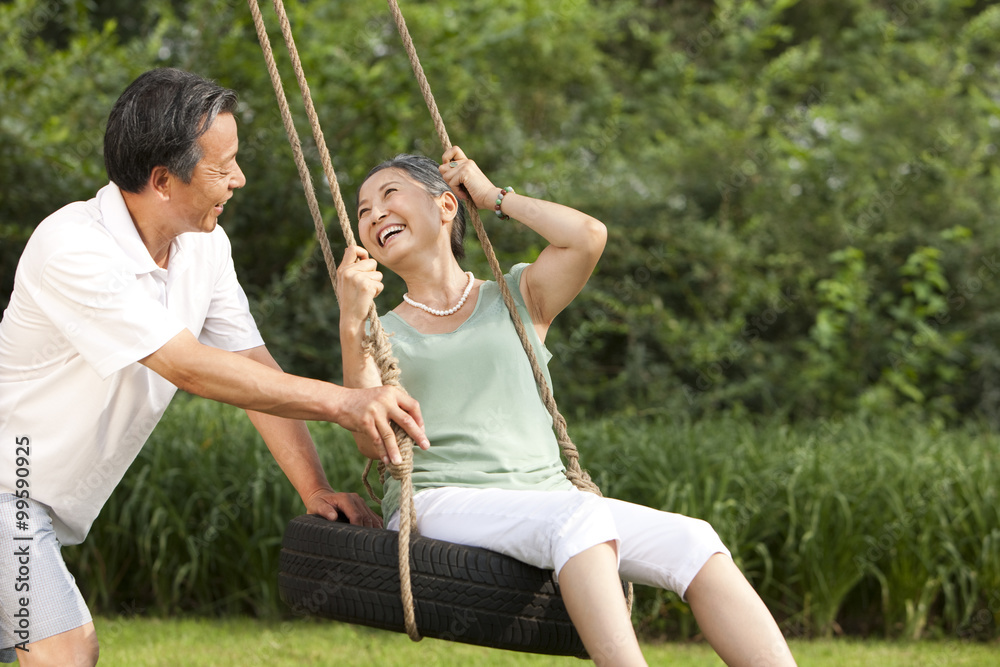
(38, 595)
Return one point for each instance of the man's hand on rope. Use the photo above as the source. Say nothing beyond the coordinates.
(370, 414)
(329, 504)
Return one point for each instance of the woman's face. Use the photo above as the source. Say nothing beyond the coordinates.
(397, 216)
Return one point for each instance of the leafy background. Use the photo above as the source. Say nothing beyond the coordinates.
(796, 313)
(799, 195)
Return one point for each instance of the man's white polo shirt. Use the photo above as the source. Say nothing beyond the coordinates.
(88, 303)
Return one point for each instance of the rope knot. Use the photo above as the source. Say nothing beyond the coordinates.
(376, 343)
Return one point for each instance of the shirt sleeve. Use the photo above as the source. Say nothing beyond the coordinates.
(514, 282)
(229, 325)
(97, 302)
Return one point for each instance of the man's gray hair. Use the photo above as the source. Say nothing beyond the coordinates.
(156, 123)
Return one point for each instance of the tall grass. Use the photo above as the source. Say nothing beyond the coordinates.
(864, 526)
(197, 522)
(884, 526)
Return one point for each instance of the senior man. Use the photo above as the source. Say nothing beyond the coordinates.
(117, 302)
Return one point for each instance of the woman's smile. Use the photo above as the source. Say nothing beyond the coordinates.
(388, 232)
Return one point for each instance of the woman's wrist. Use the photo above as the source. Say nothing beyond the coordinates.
(351, 329)
(498, 204)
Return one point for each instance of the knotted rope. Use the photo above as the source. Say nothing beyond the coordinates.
(376, 342)
(579, 477)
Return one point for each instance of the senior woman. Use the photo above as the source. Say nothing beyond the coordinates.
(492, 476)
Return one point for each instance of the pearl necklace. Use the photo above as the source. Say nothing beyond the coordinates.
(443, 313)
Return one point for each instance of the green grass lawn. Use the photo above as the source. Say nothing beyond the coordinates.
(141, 642)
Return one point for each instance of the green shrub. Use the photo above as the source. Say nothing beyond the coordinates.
(799, 195)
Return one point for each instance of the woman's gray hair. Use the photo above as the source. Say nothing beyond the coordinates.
(156, 123)
(425, 171)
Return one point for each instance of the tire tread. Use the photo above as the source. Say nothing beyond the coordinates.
(349, 573)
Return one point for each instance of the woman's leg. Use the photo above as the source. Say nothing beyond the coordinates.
(686, 556)
(574, 533)
(733, 617)
(570, 532)
(593, 595)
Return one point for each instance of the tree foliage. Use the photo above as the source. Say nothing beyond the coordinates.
(798, 194)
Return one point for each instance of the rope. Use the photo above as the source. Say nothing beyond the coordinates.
(377, 342)
(579, 477)
(293, 139)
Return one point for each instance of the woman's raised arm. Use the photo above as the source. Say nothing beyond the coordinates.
(576, 240)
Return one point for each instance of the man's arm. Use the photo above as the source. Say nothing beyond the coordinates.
(293, 448)
(232, 378)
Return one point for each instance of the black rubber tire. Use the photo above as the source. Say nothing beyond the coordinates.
(465, 594)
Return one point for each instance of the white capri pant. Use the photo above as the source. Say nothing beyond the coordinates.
(547, 528)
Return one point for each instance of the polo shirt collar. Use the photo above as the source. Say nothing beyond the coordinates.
(118, 221)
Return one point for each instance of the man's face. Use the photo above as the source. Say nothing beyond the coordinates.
(215, 177)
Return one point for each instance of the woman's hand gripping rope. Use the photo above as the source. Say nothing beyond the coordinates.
(358, 283)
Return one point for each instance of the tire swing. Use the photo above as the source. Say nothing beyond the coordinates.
(389, 580)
